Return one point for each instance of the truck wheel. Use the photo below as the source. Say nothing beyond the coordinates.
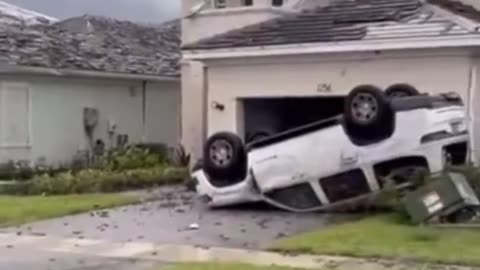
(368, 114)
(366, 106)
(401, 90)
(225, 157)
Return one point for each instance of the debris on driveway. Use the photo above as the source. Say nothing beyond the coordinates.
(193, 226)
(245, 227)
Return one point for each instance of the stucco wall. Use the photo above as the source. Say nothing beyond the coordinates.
(57, 114)
(216, 22)
(163, 113)
(210, 21)
(194, 107)
(301, 76)
(475, 112)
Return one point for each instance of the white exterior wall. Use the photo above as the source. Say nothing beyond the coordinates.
(475, 112)
(57, 115)
(297, 76)
(215, 22)
(194, 107)
(163, 113)
(210, 21)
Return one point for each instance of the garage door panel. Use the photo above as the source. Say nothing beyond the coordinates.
(304, 77)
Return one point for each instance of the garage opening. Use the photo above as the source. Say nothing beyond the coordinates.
(267, 116)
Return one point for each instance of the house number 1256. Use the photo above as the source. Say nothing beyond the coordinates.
(324, 87)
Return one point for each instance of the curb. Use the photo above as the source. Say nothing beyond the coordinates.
(195, 254)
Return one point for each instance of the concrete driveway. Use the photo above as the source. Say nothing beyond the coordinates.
(167, 221)
(171, 219)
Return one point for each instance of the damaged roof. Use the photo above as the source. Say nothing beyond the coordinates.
(345, 20)
(458, 8)
(93, 43)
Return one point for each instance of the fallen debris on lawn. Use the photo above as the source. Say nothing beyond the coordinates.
(449, 199)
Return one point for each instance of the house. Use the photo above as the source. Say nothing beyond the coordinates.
(262, 66)
(12, 14)
(68, 86)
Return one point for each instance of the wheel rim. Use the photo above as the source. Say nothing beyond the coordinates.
(364, 107)
(221, 153)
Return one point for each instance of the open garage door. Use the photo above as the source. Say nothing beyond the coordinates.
(267, 116)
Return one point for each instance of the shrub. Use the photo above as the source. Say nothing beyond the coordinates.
(158, 149)
(93, 181)
(180, 157)
(15, 188)
(18, 170)
(131, 158)
(391, 197)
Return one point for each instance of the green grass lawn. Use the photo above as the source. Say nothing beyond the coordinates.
(222, 266)
(389, 237)
(17, 210)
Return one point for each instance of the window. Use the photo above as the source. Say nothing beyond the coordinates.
(220, 3)
(248, 2)
(14, 114)
(277, 3)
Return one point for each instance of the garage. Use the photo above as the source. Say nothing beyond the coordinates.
(268, 79)
(267, 116)
(301, 88)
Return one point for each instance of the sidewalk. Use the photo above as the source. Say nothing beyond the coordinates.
(184, 253)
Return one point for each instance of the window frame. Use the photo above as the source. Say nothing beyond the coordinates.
(247, 3)
(278, 3)
(29, 142)
(220, 4)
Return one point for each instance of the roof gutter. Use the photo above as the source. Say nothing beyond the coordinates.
(336, 47)
(9, 69)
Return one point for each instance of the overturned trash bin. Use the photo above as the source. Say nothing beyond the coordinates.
(449, 199)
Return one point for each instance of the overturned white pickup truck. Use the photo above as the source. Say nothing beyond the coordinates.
(335, 161)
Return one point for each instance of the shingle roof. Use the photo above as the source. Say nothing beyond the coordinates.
(95, 44)
(458, 8)
(342, 20)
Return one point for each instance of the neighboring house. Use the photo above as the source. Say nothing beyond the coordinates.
(66, 85)
(11, 14)
(265, 66)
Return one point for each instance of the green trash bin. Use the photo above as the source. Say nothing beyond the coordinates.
(441, 199)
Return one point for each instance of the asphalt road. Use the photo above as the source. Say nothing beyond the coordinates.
(174, 218)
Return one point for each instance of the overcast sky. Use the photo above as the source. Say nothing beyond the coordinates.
(135, 10)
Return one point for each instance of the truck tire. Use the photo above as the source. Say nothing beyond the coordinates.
(368, 114)
(225, 157)
(401, 90)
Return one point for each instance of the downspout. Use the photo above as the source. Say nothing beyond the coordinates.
(471, 113)
(144, 111)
